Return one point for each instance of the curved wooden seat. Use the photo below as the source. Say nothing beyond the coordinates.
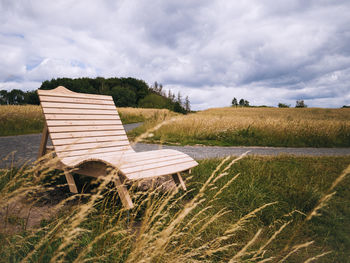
(86, 128)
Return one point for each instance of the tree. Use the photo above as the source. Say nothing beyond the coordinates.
(155, 87)
(179, 98)
(241, 102)
(246, 103)
(282, 105)
(4, 97)
(169, 94)
(234, 102)
(123, 97)
(153, 101)
(300, 104)
(16, 96)
(31, 97)
(187, 104)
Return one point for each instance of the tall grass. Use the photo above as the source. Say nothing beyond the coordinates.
(18, 119)
(246, 209)
(27, 119)
(310, 127)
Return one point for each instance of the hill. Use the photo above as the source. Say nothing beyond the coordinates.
(126, 92)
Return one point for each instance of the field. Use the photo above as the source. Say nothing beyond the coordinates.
(309, 127)
(19, 119)
(291, 127)
(286, 209)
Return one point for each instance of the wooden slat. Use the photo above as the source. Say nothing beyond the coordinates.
(51, 123)
(72, 94)
(58, 142)
(76, 100)
(125, 158)
(76, 106)
(88, 154)
(79, 111)
(85, 128)
(179, 181)
(92, 145)
(155, 160)
(69, 135)
(80, 117)
(167, 170)
(120, 157)
(43, 142)
(151, 166)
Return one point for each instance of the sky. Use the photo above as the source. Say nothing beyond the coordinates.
(264, 51)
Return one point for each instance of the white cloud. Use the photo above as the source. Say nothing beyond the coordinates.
(264, 51)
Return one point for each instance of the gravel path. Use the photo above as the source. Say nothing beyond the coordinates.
(25, 147)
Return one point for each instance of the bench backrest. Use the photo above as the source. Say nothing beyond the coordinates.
(81, 125)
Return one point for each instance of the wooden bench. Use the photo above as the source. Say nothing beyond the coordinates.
(88, 136)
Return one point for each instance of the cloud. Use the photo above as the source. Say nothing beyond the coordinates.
(264, 51)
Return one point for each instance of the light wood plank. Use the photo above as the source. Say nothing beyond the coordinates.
(155, 165)
(155, 160)
(43, 142)
(92, 145)
(71, 183)
(79, 111)
(76, 100)
(73, 160)
(76, 106)
(72, 94)
(58, 142)
(167, 170)
(82, 123)
(85, 128)
(179, 181)
(123, 194)
(72, 135)
(125, 158)
(80, 117)
(90, 152)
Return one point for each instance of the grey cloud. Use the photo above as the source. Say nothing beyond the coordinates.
(240, 48)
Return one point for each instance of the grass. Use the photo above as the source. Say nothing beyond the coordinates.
(236, 210)
(290, 127)
(27, 119)
(18, 119)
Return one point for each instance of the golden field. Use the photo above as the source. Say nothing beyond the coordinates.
(314, 127)
(26, 119)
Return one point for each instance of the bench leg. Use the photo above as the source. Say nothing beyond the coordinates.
(179, 181)
(71, 183)
(123, 194)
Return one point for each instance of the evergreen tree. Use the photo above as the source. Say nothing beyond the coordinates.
(179, 98)
(155, 87)
(187, 104)
(169, 94)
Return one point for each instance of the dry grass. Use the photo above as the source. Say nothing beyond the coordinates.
(131, 115)
(312, 127)
(26, 119)
(19, 119)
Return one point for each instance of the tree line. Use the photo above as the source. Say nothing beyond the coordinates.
(126, 92)
(245, 103)
(241, 103)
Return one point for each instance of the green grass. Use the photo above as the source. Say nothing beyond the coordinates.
(295, 183)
